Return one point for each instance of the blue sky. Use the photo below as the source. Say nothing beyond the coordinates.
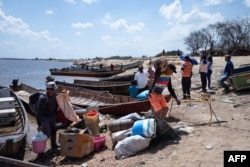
(102, 28)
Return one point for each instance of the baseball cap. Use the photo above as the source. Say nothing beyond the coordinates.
(172, 66)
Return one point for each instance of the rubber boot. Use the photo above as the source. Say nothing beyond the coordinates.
(53, 143)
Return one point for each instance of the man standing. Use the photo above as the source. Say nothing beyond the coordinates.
(228, 71)
(186, 77)
(46, 113)
(142, 79)
(157, 100)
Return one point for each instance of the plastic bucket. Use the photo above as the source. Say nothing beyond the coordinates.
(99, 142)
(39, 146)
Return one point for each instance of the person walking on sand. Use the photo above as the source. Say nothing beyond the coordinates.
(157, 100)
(209, 71)
(203, 73)
(133, 89)
(186, 77)
(111, 67)
(46, 114)
(228, 71)
(141, 78)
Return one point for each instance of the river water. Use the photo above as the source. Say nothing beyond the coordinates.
(33, 73)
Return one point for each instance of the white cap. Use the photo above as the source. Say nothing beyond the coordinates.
(51, 85)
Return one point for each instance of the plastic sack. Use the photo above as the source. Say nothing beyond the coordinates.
(130, 146)
(65, 105)
(134, 116)
(143, 95)
(120, 135)
(145, 128)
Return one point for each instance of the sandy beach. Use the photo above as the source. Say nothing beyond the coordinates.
(212, 126)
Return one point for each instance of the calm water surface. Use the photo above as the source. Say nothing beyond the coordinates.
(33, 73)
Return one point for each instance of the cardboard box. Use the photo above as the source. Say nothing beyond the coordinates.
(7, 116)
(7, 102)
(76, 145)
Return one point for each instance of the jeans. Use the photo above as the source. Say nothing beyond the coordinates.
(186, 84)
(221, 81)
(203, 76)
(209, 73)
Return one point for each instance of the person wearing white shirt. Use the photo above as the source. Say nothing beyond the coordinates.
(142, 79)
(203, 72)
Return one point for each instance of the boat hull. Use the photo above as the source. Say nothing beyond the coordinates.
(241, 78)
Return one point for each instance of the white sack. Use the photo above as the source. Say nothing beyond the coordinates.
(130, 146)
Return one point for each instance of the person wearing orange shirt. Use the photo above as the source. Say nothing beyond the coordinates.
(186, 77)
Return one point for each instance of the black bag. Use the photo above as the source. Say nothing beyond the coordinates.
(164, 131)
(33, 100)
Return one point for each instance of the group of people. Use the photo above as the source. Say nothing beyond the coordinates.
(162, 79)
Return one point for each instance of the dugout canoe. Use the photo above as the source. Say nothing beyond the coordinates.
(107, 103)
(10, 162)
(86, 73)
(14, 124)
(114, 87)
(127, 77)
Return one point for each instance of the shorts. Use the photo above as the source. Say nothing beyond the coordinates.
(157, 101)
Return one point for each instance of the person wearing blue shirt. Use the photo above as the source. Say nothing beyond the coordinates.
(228, 71)
(133, 89)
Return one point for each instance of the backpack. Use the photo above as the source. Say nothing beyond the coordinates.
(33, 101)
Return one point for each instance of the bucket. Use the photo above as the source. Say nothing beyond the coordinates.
(118, 125)
(99, 142)
(91, 120)
(39, 143)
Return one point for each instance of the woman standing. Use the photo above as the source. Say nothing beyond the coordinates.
(209, 71)
(203, 72)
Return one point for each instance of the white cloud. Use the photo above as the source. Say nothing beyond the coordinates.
(171, 12)
(247, 2)
(216, 2)
(15, 26)
(71, 1)
(122, 24)
(49, 12)
(174, 15)
(89, 1)
(82, 25)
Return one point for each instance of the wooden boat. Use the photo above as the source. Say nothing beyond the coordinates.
(10, 162)
(86, 73)
(241, 78)
(107, 103)
(127, 77)
(114, 87)
(24, 91)
(132, 65)
(14, 124)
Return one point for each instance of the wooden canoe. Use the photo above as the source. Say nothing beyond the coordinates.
(10, 162)
(108, 103)
(127, 77)
(24, 91)
(114, 87)
(14, 125)
(86, 73)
